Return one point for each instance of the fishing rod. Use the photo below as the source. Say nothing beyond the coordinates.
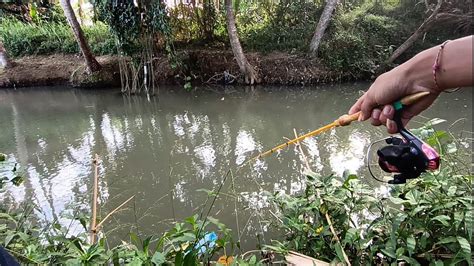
(343, 120)
(407, 156)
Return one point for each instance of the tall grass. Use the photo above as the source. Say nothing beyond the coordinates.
(22, 39)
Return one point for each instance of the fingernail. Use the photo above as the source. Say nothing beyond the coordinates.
(387, 110)
(376, 114)
(361, 117)
(390, 125)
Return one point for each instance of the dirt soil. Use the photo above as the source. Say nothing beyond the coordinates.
(201, 65)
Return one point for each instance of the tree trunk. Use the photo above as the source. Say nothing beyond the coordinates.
(4, 60)
(91, 63)
(424, 27)
(246, 69)
(322, 25)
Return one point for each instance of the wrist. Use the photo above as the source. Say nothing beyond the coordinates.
(418, 71)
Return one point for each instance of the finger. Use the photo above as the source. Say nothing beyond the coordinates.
(375, 119)
(356, 107)
(413, 110)
(367, 106)
(387, 113)
(391, 126)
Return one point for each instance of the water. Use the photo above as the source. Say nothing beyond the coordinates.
(168, 151)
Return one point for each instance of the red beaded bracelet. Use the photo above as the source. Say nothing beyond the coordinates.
(437, 65)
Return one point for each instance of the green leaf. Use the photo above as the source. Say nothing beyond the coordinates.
(469, 221)
(253, 260)
(411, 244)
(465, 247)
(398, 201)
(444, 219)
(9, 238)
(17, 180)
(418, 209)
(451, 148)
(158, 258)
(7, 216)
(452, 190)
(348, 179)
(389, 253)
(458, 217)
(135, 239)
(400, 251)
(447, 240)
(190, 259)
(339, 252)
(76, 244)
(413, 196)
(350, 235)
(411, 261)
(178, 260)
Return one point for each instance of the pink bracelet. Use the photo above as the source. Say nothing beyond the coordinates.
(437, 65)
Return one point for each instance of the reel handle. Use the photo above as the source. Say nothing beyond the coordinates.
(346, 120)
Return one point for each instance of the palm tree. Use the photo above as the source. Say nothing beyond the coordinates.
(322, 25)
(246, 69)
(91, 62)
(4, 60)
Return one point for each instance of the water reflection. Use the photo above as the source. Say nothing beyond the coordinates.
(166, 150)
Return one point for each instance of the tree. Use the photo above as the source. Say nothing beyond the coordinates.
(246, 69)
(91, 62)
(322, 25)
(422, 29)
(4, 60)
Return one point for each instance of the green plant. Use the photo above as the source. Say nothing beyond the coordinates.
(22, 38)
(427, 220)
(186, 243)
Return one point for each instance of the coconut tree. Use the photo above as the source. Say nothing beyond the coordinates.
(322, 25)
(245, 67)
(91, 62)
(4, 60)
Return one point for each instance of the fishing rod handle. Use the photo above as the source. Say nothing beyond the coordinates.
(345, 120)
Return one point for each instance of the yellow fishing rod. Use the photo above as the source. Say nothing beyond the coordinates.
(343, 120)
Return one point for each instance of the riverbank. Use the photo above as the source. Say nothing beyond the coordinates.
(201, 65)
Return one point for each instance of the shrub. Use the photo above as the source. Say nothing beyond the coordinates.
(427, 220)
(22, 39)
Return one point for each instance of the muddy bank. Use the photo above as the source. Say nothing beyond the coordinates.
(201, 66)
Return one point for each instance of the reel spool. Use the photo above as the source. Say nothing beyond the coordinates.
(407, 156)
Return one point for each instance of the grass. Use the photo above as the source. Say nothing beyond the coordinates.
(41, 38)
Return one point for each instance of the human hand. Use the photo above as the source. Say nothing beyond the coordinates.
(389, 87)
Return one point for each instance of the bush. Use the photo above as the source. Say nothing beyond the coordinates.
(429, 220)
(358, 42)
(288, 26)
(22, 39)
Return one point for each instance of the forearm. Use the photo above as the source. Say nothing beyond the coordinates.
(455, 64)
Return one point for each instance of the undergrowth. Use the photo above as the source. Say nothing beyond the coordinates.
(40, 38)
(429, 220)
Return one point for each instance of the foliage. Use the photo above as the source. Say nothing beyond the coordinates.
(427, 220)
(286, 26)
(130, 23)
(358, 42)
(9, 172)
(22, 38)
(187, 243)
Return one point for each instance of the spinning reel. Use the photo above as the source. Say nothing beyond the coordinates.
(407, 156)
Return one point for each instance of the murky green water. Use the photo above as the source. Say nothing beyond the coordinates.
(166, 150)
